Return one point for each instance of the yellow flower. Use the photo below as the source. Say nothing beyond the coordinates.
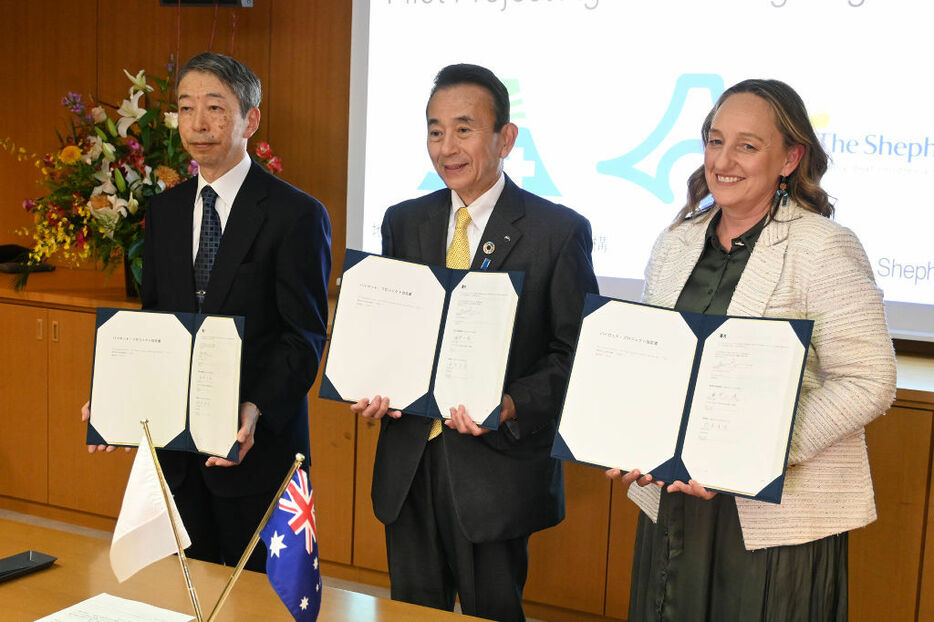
(70, 154)
(167, 176)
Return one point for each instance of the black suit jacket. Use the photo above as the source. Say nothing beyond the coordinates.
(272, 267)
(503, 486)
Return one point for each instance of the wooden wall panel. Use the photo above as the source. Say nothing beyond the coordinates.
(78, 480)
(47, 48)
(23, 446)
(567, 563)
(158, 41)
(309, 98)
(300, 50)
(885, 557)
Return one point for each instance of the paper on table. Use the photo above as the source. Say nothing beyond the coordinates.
(743, 402)
(384, 344)
(107, 608)
(646, 355)
(475, 344)
(215, 364)
(146, 357)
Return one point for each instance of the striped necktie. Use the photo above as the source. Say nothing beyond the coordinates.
(208, 242)
(458, 257)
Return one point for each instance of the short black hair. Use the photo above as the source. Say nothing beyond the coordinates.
(232, 73)
(463, 73)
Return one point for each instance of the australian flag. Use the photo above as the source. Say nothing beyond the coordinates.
(292, 550)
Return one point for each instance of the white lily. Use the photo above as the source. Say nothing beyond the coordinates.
(95, 151)
(109, 216)
(139, 82)
(109, 151)
(103, 175)
(130, 112)
(132, 204)
(135, 181)
(171, 120)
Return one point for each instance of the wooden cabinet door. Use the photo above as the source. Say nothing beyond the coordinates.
(885, 556)
(333, 432)
(78, 480)
(369, 535)
(567, 563)
(23, 406)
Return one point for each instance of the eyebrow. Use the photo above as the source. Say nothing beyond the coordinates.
(217, 95)
(742, 134)
(463, 119)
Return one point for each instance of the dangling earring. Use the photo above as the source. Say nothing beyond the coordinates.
(781, 195)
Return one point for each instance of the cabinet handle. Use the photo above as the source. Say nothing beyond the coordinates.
(55, 331)
(40, 329)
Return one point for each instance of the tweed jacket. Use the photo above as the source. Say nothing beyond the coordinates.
(803, 266)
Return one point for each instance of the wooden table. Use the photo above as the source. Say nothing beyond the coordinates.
(83, 570)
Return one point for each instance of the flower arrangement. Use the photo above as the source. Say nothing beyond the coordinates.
(99, 183)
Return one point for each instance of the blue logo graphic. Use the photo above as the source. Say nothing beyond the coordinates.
(524, 165)
(660, 184)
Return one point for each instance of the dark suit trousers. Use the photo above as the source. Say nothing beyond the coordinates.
(220, 527)
(430, 559)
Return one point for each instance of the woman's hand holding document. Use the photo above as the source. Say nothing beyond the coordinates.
(705, 401)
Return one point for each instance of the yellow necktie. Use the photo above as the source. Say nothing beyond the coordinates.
(458, 257)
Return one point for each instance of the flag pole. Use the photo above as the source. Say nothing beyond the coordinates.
(182, 560)
(299, 458)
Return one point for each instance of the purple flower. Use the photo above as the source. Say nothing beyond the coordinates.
(73, 102)
(192, 168)
(132, 143)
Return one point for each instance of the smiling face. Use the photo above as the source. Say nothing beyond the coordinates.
(464, 147)
(745, 155)
(210, 124)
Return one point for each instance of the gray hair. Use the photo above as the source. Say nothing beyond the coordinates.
(232, 73)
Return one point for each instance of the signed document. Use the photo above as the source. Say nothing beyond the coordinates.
(427, 337)
(107, 608)
(684, 395)
(179, 371)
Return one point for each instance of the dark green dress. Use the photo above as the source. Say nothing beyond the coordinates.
(691, 566)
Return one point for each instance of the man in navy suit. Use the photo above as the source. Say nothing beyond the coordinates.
(459, 507)
(272, 265)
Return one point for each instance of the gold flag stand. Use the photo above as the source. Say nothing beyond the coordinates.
(166, 495)
(299, 458)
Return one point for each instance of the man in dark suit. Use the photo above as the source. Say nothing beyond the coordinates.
(459, 506)
(271, 265)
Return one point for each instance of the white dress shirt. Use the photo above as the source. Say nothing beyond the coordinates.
(226, 186)
(479, 211)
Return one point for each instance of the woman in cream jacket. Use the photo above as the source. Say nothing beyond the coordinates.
(767, 247)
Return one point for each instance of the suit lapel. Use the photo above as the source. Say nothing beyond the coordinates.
(432, 231)
(683, 258)
(181, 265)
(246, 217)
(764, 267)
(500, 235)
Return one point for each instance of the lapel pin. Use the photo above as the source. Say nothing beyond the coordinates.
(507, 239)
(488, 248)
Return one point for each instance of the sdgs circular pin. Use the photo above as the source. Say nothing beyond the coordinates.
(488, 248)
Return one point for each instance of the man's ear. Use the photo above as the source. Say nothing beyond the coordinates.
(508, 134)
(252, 122)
